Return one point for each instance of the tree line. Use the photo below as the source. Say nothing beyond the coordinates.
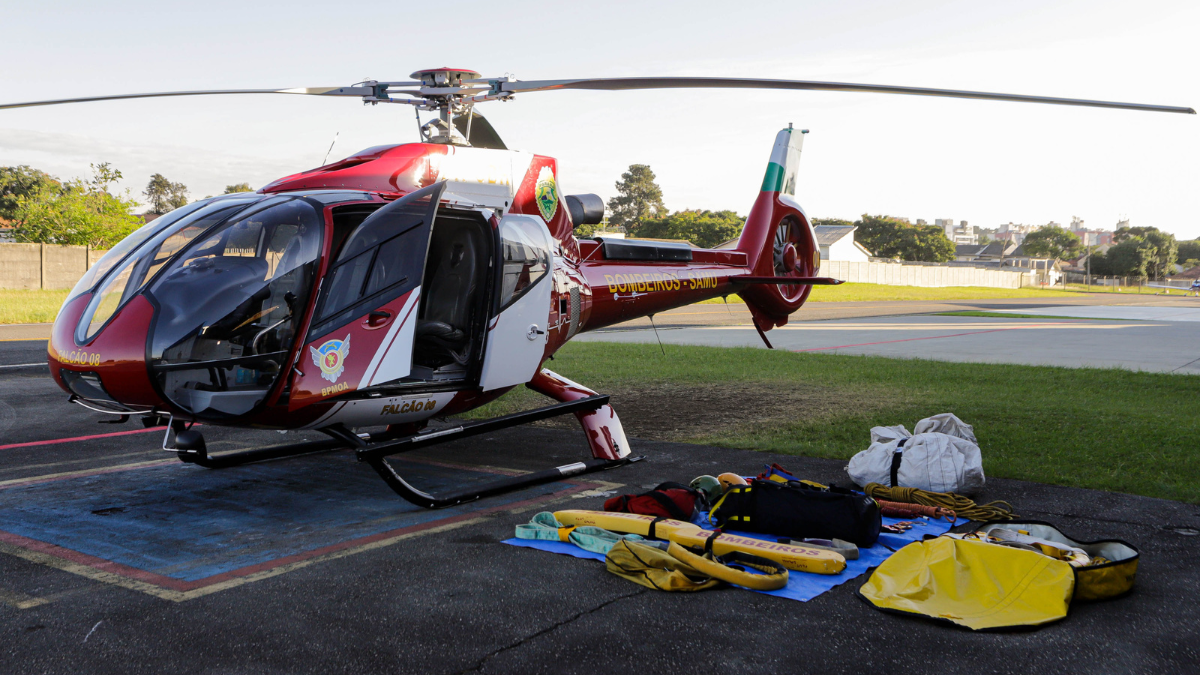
(44, 209)
(1137, 251)
(639, 209)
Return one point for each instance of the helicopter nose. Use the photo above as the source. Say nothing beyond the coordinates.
(109, 369)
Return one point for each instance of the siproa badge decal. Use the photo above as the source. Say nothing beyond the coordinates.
(331, 357)
(545, 192)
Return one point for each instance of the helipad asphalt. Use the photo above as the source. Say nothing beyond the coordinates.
(1149, 338)
(115, 558)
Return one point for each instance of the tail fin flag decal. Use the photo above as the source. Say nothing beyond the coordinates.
(785, 162)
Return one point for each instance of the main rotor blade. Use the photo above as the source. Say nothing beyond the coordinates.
(311, 91)
(626, 83)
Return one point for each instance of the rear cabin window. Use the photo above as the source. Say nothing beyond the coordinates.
(525, 258)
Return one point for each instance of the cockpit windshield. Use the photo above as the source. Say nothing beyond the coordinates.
(123, 247)
(230, 305)
(140, 267)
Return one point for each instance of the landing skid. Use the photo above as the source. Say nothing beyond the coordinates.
(193, 451)
(507, 484)
(377, 457)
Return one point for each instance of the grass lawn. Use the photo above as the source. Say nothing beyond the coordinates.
(30, 306)
(1107, 429)
(881, 293)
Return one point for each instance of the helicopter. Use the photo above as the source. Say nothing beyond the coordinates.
(413, 281)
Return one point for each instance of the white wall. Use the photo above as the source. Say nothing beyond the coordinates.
(922, 275)
(844, 250)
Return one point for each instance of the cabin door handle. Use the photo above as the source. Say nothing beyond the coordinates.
(377, 319)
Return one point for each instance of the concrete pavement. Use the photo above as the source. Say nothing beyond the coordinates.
(309, 584)
(1117, 338)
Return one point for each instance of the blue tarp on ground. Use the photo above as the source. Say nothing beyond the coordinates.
(801, 585)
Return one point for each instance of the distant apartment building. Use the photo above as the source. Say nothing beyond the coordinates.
(1015, 233)
(963, 233)
(1089, 237)
(960, 234)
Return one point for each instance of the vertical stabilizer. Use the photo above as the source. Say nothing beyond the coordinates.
(785, 162)
(777, 238)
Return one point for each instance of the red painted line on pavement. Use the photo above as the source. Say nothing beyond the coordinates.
(929, 337)
(80, 438)
(92, 561)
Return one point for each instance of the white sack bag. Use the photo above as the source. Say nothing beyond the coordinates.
(946, 423)
(889, 434)
(933, 461)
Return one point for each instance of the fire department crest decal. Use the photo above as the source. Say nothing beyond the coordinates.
(331, 357)
(545, 192)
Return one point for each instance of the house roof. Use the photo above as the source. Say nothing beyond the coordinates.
(831, 234)
(992, 249)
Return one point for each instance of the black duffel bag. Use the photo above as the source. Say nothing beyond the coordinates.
(799, 511)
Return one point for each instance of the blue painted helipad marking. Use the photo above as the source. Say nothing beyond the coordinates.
(188, 523)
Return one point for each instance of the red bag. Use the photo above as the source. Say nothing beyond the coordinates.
(669, 500)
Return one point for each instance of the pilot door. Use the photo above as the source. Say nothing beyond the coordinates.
(516, 337)
(363, 329)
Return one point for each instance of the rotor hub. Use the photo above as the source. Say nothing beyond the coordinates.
(789, 257)
(444, 77)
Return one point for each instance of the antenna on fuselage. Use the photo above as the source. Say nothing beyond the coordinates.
(656, 335)
(335, 137)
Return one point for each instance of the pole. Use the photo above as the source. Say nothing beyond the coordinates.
(1089, 267)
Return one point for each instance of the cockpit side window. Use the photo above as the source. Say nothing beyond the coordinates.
(381, 259)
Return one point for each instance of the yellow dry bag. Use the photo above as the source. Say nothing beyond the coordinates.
(973, 584)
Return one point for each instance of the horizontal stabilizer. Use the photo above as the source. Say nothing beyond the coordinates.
(792, 281)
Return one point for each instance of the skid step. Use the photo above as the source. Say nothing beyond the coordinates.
(468, 429)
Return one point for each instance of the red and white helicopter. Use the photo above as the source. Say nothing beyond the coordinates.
(410, 281)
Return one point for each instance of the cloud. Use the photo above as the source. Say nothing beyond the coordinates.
(204, 170)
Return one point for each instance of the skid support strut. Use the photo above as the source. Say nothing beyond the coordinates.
(377, 456)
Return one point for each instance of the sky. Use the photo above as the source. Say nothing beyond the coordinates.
(984, 162)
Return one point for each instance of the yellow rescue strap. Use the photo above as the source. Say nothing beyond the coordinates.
(774, 575)
(790, 556)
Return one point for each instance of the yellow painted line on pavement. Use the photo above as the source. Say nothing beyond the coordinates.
(20, 600)
(942, 326)
(86, 472)
(180, 596)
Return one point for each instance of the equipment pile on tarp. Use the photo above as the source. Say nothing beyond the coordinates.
(757, 533)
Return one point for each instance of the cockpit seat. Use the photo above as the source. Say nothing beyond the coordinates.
(442, 332)
(450, 288)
